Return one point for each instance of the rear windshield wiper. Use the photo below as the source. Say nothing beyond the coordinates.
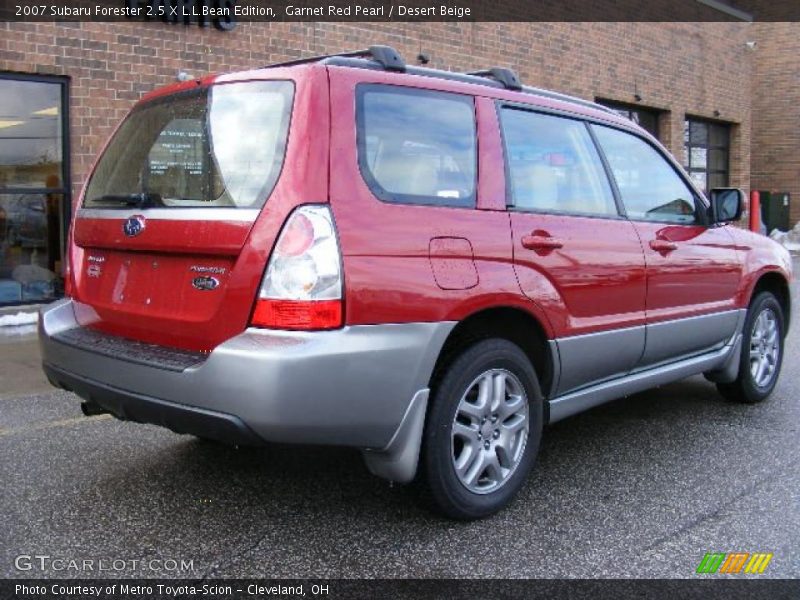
(142, 200)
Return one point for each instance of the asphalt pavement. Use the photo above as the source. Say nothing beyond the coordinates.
(641, 487)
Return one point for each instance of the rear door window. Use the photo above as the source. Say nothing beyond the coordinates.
(417, 146)
(220, 146)
(554, 166)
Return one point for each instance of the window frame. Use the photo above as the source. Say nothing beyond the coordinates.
(509, 199)
(65, 189)
(377, 190)
(708, 147)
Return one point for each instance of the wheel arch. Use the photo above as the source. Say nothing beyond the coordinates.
(775, 283)
(511, 323)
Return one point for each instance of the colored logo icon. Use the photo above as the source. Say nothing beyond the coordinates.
(734, 562)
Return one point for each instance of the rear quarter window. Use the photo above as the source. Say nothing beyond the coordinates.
(417, 146)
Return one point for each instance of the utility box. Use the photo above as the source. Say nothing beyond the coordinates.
(775, 210)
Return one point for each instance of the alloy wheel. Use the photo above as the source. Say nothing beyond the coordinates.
(489, 431)
(764, 348)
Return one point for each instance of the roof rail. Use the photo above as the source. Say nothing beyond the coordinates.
(566, 98)
(511, 81)
(386, 56)
(506, 77)
(389, 59)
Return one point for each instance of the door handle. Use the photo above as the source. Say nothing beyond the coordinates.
(540, 242)
(663, 246)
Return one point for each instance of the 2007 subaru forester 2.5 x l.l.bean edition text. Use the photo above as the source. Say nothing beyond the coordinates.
(425, 265)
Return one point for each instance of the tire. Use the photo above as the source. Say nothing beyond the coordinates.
(763, 336)
(457, 413)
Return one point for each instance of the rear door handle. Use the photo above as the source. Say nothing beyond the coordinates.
(663, 246)
(540, 242)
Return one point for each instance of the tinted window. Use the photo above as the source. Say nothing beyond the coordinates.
(34, 187)
(553, 165)
(650, 188)
(417, 146)
(223, 146)
(31, 144)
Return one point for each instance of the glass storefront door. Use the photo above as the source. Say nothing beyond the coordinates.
(34, 187)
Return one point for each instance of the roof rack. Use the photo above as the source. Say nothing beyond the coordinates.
(507, 77)
(389, 59)
(386, 56)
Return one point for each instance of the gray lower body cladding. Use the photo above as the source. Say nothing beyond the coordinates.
(669, 351)
(350, 387)
(595, 357)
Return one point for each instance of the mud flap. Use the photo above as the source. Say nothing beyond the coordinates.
(398, 460)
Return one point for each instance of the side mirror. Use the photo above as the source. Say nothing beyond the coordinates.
(726, 204)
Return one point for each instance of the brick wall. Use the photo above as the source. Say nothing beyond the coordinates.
(776, 118)
(679, 67)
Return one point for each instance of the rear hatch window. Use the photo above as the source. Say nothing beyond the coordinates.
(221, 146)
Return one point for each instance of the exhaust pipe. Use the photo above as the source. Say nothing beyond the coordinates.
(90, 409)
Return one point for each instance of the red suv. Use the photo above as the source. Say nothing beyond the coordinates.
(425, 265)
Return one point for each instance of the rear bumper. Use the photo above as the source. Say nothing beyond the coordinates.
(180, 418)
(351, 387)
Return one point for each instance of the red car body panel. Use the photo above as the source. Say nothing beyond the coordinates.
(758, 258)
(592, 283)
(699, 276)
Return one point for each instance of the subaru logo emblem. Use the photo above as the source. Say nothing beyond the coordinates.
(133, 225)
(205, 283)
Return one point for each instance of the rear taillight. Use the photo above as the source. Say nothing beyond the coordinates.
(302, 286)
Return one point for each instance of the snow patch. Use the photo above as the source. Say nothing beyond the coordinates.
(788, 239)
(21, 318)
